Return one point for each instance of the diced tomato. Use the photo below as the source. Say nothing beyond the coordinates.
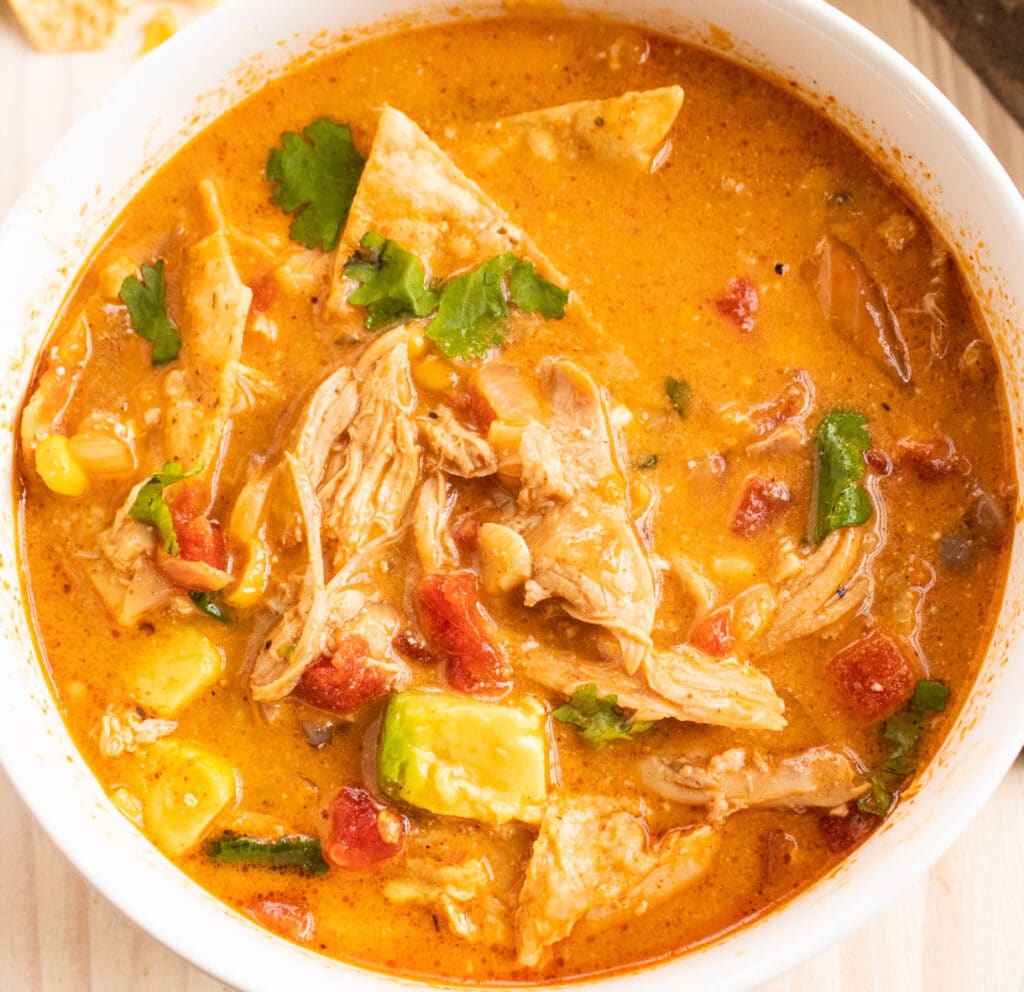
(409, 643)
(873, 676)
(346, 680)
(448, 604)
(790, 403)
(843, 832)
(713, 635)
(933, 459)
(471, 406)
(363, 831)
(762, 503)
(187, 500)
(283, 917)
(878, 461)
(201, 540)
(740, 303)
(265, 290)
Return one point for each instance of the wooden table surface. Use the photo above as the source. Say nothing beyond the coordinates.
(958, 929)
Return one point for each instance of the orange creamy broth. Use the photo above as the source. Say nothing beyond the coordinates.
(749, 188)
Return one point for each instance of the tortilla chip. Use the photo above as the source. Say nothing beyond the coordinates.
(629, 128)
(412, 193)
(70, 25)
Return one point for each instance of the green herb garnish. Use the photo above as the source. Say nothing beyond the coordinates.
(531, 293)
(393, 284)
(903, 731)
(149, 507)
(841, 441)
(597, 718)
(297, 853)
(315, 175)
(147, 308)
(679, 393)
(206, 602)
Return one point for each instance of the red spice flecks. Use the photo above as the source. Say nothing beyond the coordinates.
(873, 676)
(713, 635)
(283, 917)
(740, 303)
(762, 503)
(448, 606)
(346, 680)
(363, 831)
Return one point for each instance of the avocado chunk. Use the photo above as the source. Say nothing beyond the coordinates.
(458, 756)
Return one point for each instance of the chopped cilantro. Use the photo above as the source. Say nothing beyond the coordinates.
(206, 602)
(903, 731)
(597, 718)
(678, 392)
(393, 284)
(315, 175)
(147, 308)
(531, 293)
(297, 853)
(471, 310)
(149, 507)
(841, 441)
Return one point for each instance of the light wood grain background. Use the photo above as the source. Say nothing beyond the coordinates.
(960, 929)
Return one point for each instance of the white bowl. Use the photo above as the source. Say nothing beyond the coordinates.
(878, 97)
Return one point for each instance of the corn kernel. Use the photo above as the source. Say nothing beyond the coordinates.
(435, 374)
(253, 582)
(417, 345)
(640, 495)
(102, 455)
(57, 466)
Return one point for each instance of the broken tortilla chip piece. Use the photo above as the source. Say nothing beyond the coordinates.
(629, 128)
(412, 193)
(69, 25)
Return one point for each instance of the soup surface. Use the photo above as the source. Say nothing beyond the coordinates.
(521, 592)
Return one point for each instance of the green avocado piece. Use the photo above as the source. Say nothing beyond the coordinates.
(458, 756)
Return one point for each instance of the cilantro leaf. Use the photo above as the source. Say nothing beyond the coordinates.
(597, 718)
(678, 392)
(531, 293)
(393, 283)
(472, 309)
(206, 602)
(315, 175)
(841, 441)
(149, 507)
(903, 731)
(147, 307)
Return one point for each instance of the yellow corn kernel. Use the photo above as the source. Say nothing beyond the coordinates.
(102, 455)
(114, 274)
(611, 488)
(187, 788)
(417, 345)
(639, 495)
(158, 29)
(57, 466)
(434, 374)
(251, 585)
(174, 669)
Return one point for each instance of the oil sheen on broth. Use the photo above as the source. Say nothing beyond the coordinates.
(750, 478)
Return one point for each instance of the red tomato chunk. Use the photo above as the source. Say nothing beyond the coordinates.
(713, 635)
(448, 605)
(843, 832)
(285, 918)
(762, 503)
(363, 831)
(935, 458)
(265, 291)
(199, 539)
(740, 303)
(873, 676)
(346, 680)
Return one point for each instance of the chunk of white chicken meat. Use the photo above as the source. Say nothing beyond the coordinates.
(682, 684)
(455, 448)
(739, 779)
(594, 859)
(434, 545)
(834, 580)
(465, 890)
(369, 480)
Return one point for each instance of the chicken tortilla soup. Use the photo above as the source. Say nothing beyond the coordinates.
(514, 499)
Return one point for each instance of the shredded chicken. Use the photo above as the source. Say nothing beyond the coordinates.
(125, 733)
(594, 859)
(456, 449)
(434, 545)
(737, 779)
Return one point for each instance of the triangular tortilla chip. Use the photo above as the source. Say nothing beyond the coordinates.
(412, 193)
(630, 128)
(69, 25)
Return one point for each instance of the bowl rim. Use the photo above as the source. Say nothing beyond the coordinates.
(754, 953)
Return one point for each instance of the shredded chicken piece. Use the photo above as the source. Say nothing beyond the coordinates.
(466, 893)
(737, 779)
(434, 545)
(542, 472)
(701, 589)
(325, 417)
(594, 859)
(125, 733)
(456, 449)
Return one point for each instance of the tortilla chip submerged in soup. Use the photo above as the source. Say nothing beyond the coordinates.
(513, 500)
